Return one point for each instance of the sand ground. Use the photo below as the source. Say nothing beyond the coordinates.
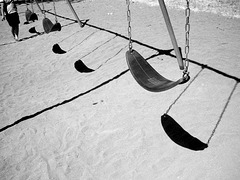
(58, 123)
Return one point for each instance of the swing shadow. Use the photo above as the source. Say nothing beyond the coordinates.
(31, 30)
(180, 136)
(33, 36)
(28, 117)
(81, 67)
(164, 52)
(85, 23)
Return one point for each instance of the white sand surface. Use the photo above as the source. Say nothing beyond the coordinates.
(60, 124)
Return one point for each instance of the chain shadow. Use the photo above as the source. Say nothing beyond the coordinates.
(25, 118)
(223, 111)
(159, 52)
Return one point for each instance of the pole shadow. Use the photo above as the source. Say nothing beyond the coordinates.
(22, 39)
(56, 47)
(28, 117)
(184, 139)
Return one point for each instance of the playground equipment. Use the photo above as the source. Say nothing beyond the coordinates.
(143, 72)
(56, 48)
(151, 80)
(48, 26)
(75, 14)
(30, 15)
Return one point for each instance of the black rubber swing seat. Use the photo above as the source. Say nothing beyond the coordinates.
(30, 16)
(147, 76)
(48, 26)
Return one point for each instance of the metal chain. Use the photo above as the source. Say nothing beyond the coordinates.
(54, 8)
(26, 4)
(32, 6)
(43, 9)
(187, 31)
(129, 25)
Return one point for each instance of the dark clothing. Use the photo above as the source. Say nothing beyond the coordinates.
(13, 19)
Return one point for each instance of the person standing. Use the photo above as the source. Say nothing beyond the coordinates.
(9, 10)
(0, 10)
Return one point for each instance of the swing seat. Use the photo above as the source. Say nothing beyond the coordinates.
(56, 27)
(32, 30)
(30, 16)
(48, 26)
(33, 17)
(147, 76)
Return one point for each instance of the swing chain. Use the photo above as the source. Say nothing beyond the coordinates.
(43, 9)
(187, 31)
(129, 25)
(26, 4)
(54, 8)
(32, 6)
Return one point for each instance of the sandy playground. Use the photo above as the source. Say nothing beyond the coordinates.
(57, 123)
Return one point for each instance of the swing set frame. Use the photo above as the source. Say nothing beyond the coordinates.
(142, 71)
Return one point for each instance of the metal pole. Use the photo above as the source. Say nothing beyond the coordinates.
(39, 7)
(171, 33)
(75, 14)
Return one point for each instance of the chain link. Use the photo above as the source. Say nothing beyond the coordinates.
(187, 32)
(129, 25)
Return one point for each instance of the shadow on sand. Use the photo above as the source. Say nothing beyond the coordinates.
(178, 135)
(81, 67)
(23, 39)
(171, 127)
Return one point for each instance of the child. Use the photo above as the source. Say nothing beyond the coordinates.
(9, 11)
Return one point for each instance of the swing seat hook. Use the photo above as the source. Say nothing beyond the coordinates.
(185, 78)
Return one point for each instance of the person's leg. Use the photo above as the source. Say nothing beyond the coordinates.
(17, 26)
(16, 31)
(13, 30)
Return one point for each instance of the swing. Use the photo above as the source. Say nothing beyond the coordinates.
(30, 15)
(48, 26)
(56, 48)
(143, 72)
